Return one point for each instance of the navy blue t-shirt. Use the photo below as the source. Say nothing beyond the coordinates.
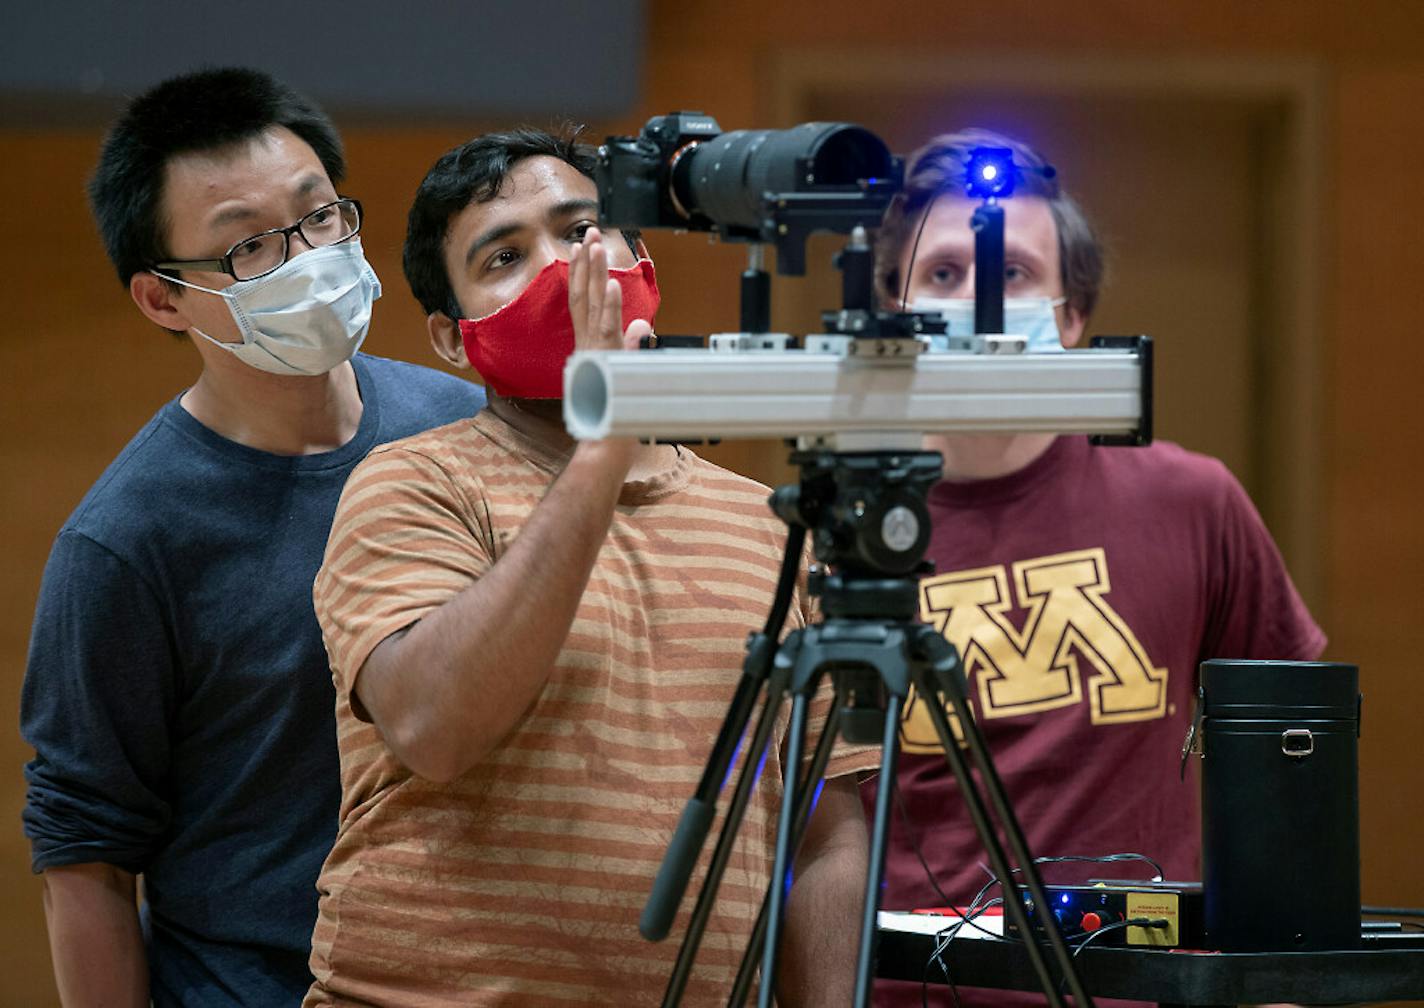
(178, 696)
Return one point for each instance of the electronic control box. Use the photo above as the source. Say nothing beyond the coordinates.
(1174, 910)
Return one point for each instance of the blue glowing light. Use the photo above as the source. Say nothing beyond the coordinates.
(1063, 899)
(989, 172)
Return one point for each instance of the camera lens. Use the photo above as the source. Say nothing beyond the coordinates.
(723, 179)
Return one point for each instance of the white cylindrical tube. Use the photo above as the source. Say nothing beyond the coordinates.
(693, 394)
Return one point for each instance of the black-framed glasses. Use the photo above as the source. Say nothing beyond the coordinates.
(259, 255)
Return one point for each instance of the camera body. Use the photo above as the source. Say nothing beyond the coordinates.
(773, 186)
(635, 174)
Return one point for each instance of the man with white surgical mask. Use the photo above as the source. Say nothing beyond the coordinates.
(1081, 585)
(177, 693)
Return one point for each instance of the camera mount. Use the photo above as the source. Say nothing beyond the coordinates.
(857, 401)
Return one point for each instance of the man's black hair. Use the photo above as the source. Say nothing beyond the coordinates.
(473, 173)
(201, 111)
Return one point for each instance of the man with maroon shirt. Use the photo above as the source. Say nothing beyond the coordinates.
(1082, 585)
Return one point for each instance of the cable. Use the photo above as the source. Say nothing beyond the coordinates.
(1088, 858)
(943, 939)
(1104, 859)
(905, 291)
(915, 845)
(978, 906)
(1156, 923)
(972, 922)
(935, 957)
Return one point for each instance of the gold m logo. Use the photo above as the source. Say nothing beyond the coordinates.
(1038, 668)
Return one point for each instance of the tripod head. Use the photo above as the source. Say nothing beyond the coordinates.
(865, 511)
(869, 523)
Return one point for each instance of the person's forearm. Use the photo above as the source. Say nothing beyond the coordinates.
(446, 691)
(94, 937)
(818, 952)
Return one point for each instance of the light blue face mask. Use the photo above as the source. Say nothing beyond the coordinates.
(304, 318)
(1032, 317)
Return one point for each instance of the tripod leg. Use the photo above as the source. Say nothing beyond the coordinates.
(805, 802)
(736, 811)
(1019, 845)
(869, 664)
(781, 867)
(889, 756)
(697, 815)
(945, 664)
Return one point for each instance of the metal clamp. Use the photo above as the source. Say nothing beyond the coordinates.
(1195, 742)
(1297, 742)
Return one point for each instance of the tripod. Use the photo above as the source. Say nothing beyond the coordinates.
(867, 513)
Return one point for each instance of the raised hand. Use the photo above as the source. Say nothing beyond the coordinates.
(596, 300)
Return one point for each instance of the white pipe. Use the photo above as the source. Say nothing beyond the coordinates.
(694, 394)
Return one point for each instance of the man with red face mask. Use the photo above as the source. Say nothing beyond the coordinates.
(534, 642)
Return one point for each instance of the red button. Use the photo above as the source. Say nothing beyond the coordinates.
(1091, 921)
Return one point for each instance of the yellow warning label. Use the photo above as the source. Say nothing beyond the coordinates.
(1156, 906)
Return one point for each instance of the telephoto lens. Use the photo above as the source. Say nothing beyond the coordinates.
(725, 178)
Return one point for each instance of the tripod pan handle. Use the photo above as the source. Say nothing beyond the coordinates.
(677, 864)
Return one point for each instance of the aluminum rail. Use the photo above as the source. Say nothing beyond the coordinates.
(699, 394)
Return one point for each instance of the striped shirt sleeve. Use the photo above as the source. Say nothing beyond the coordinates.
(400, 547)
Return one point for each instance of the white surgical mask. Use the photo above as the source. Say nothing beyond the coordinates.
(305, 317)
(1031, 317)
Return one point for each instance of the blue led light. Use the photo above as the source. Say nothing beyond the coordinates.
(989, 172)
(1063, 899)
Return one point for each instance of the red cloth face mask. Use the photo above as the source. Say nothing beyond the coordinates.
(520, 349)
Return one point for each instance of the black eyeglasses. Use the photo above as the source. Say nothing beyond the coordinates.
(259, 255)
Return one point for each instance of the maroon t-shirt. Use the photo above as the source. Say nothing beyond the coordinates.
(1082, 593)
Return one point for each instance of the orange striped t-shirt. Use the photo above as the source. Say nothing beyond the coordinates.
(521, 882)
